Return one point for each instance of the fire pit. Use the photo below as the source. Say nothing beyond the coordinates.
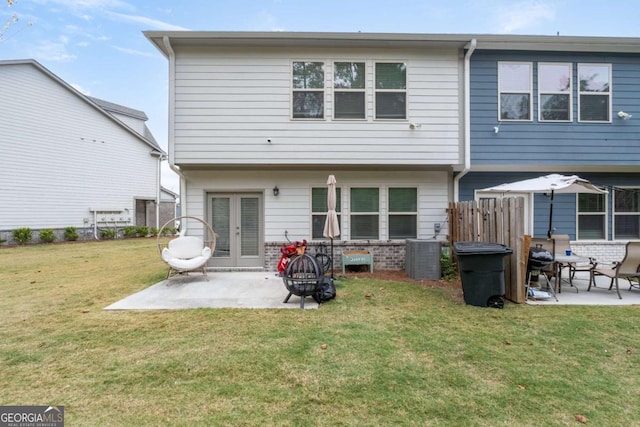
(303, 277)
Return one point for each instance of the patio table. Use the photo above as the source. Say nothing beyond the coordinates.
(561, 261)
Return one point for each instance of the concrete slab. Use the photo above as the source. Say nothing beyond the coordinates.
(261, 290)
(599, 295)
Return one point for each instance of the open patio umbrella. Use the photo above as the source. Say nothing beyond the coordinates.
(551, 184)
(331, 224)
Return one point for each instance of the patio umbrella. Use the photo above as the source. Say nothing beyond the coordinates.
(331, 224)
(551, 184)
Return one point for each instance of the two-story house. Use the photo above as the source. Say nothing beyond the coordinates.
(554, 104)
(69, 160)
(257, 122)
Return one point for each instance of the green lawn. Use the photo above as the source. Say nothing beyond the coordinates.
(404, 355)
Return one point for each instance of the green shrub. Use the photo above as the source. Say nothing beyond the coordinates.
(142, 231)
(447, 267)
(47, 235)
(130, 231)
(22, 235)
(154, 231)
(71, 234)
(108, 234)
(169, 231)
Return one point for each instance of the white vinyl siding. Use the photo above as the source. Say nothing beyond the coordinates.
(230, 102)
(61, 156)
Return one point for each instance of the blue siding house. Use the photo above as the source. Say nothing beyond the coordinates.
(555, 104)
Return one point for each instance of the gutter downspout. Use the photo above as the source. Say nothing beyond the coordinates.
(171, 133)
(471, 46)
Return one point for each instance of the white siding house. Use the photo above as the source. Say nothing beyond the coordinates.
(257, 121)
(66, 159)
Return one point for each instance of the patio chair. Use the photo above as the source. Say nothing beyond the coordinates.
(562, 243)
(628, 268)
(185, 254)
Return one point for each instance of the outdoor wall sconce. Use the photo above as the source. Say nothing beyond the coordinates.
(496, 129)
(623, 115)
(276, 190)
(413, 126)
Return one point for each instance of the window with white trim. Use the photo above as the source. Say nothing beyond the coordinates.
(554, 92)
(592, 215)
(626, 214)
(365, 213)
(594, 92)
(319, 210)
(514, 90)
(308, 90)
(391, 90)
(349, 97)
(403, 213)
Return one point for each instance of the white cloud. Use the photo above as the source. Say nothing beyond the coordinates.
(55, 51)
(525, 15)
(149, 22)
(136, 52)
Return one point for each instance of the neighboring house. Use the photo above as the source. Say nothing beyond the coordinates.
(257, 122)
(68, 159)
(554, 104)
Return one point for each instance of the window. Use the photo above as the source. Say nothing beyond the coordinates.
(594, 96)
(626, 218)
(308, 90)
(554, 92)
(591, 216)
(349, 90)
(391, 90)
(403, 213)
(514, 87)
(364, 214)
(319, 211)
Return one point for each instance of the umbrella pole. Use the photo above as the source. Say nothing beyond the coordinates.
(550, 232)
(332, 278)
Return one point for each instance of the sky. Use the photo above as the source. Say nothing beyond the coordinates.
(97, 46)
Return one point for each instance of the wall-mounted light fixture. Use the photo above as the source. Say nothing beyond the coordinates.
(276, 190)
(496, 129)
(623, 115)
(413, 126)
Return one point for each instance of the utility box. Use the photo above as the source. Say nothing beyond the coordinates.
(481, 268)
(422, 259)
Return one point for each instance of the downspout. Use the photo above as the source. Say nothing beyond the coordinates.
(171, 132)
(471, 46)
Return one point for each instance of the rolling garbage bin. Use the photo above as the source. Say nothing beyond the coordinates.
(482, 272)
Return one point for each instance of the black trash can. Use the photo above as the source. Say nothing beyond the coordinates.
(481, 268)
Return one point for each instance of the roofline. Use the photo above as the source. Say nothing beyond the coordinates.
(397, 40)
(85, 98)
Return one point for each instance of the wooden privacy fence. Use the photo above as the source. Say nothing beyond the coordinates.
(495, 221)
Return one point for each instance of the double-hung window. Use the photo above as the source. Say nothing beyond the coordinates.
(554, 92)
(365, 213)
(308, 90)
(349, 90)
(594, 92)
(626, 218)
(391, 90)
(319, 211)
(514, 89)
(592, 214)
(403, 213)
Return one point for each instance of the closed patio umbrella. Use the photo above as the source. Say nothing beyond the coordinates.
(554, 183)
(331, 224)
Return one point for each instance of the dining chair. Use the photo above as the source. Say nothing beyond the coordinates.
(562, 245)
(628, 268)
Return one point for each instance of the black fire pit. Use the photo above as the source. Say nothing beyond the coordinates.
(303, 277)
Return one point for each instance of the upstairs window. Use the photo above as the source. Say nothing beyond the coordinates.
(594, 93)
(554, 92)
(349, 90)
(319, 210)
(592, 215)
(365, 216)
(308, 90)
(403, 213)
(391, 90)
(514, 89)
(626, 218)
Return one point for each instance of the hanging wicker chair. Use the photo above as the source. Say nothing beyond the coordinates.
(184, 254)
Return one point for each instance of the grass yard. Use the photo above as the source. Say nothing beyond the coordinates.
(382, 353)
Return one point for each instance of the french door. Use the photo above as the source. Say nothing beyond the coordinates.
(236, 219)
